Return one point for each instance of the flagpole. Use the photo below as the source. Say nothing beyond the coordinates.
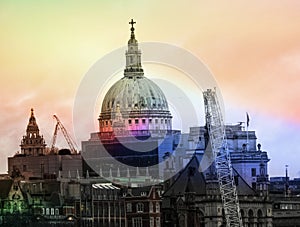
(247, 131)
(247, 139)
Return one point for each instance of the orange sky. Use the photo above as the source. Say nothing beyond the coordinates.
(252, 48)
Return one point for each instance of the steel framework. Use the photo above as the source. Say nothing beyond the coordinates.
(216, 131)
(60, 126)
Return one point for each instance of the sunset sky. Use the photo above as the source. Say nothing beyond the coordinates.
(251, 47)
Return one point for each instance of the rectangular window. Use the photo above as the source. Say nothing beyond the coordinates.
(253, 172)
(254, 185)
(117, 209)
(129, 121)
(42, 169)
(151, 221)
(150, 207)
(137, 222)
(156, 121)
(162, 121)
(157, 207)
(140, 207)
(105, 209)
(24, 168)
(158, 222)
(150, 121)
(128, 207)
(143, 121)
(136, 121)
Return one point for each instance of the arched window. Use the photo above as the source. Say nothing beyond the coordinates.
(260, 219)
(181, 220)
(157, 221)
(243, 216)
(129, 207)
(200, 217)
(251, 218)
(151, 221)
(139, 207)
(242, 213)
(157, 207)
(223, 217)
(150, 207)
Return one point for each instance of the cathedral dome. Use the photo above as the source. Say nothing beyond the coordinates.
(134, 93)
(134, 103)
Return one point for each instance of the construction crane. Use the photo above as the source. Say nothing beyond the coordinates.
(59, 126)
(216, 131)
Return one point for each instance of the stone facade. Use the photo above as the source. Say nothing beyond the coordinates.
(193, 199)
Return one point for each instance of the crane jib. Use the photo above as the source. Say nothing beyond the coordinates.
(216, 131)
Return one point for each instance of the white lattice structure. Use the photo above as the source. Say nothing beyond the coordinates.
(216, 131)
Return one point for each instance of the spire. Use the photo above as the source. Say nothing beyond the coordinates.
(32, 143)
(32, 121)
(262, 179)
(133, 56)
(32, 127)
(286, 181)
(32, 115)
